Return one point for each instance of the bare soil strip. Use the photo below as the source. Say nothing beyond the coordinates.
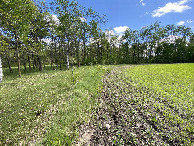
(126, 117)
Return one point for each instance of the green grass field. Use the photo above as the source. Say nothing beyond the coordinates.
(47, 108)
(169, 91)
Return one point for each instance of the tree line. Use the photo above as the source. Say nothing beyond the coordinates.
(64, 33)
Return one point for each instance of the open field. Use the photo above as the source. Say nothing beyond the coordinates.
(122, 105)
(127, 87)
(169, 96)
(47, 107)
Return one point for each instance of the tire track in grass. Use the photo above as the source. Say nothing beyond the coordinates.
(130, 116)
(118, 120)
(131, 126)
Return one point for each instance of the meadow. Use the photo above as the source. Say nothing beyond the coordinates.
(128, 104)
(168, 91)
(47, 107)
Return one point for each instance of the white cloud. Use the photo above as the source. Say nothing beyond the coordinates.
(189, 21)
(109, 33)
(47, 40)
(170, 39)
(176, 7)
(181, 23)
(115, 32)
(55, 19)
(83, 19)
(52, 18)
(183, 2)
(142, 2)
(120, 29)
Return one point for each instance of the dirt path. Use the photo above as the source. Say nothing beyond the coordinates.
(125, 118)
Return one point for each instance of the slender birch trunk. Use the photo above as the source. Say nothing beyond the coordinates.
(67, 54)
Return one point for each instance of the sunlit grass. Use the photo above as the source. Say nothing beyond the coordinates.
(47, 107)
(169, 91)
(175, 82)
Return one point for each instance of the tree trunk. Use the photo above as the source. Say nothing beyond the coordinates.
(107, 57)
(133, 54)
(77, 50)
(44, 64)
(9, 64)
(29, 62)
(60, 66)
(33, 61)
(67, 55)
(18, 60)
(18, 55)
(25, 65)
(51, 63)
(84, 50)
(40, 63)
(98, 47)
(52, 60)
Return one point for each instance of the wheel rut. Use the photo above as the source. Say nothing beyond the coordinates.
(123, 118)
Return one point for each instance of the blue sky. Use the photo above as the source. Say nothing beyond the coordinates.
(137, 13)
